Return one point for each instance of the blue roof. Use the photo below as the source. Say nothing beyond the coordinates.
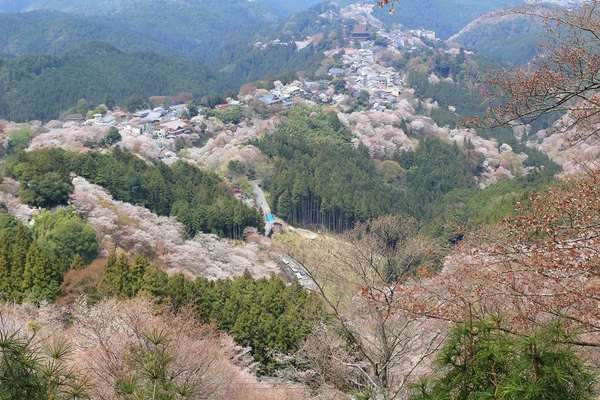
(270, 218)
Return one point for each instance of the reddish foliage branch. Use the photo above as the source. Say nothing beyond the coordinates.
(563, 77)
(539, 266)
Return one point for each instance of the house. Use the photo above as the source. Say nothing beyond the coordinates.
(109, 120)
(360, 33)
(142, 114)
(160, 110)
(75, 117)
(179, 108)
(173, 128)
(424, 34)
(277, 227)
(153, 116)
(291, 91)
(221, 106)
(270, 99)
(336, 71)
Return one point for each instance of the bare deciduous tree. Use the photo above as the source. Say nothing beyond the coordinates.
(370, 347)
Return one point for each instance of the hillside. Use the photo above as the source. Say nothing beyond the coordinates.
(89, 7)
(444, 17)
(510, 38)
(40, 86)
(54, 32)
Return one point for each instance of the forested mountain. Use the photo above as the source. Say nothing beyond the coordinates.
(53, 32)
(510, 38)
(444, 17)
(194, 30)
(40, 86)
(89, 7)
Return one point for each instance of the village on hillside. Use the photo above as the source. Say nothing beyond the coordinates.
(360, 72)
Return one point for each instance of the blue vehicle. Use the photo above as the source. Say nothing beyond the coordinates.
(270, 218)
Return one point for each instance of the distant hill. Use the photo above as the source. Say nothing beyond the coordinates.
(53, 32)
(92, 7)
(444, 17)
(510, 38)
(195, 30)
(40, 86)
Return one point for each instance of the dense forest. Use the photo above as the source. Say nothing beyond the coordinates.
(263, 314)
(198, 198)
(40, 86)
(320, 178)
(34, 260)
(53, 32)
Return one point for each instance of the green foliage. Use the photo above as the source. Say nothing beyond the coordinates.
(90, 71)
(480, 360)
(42, 274)
(339, 85)
(458, 95)
(152, 376)
(80, 68)
(109, 101)
(135, 102)
(363, 99)
(192, 110)
(230, 115)
(19, 139)
(320, 178)
(66, 234)
(511, 39)
(44, 177)
(198, 198)
(47, 191)
(443, 116)
(434, 169)
(28, 373)
(113, 136)
(32, 264)
(78, 263)
(264, 314)
(18, 256)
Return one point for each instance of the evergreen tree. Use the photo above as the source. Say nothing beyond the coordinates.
(109, 101)
(154, 282)
(78, 263)
(111, 277)
(5, 276)
(41, 277)
(480, 360)
(19, 258)
(135, 277)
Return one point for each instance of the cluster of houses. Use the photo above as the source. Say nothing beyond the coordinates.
(396, 38)
(308, 90)
(383, 86)
(161, 122)
(421, 33)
